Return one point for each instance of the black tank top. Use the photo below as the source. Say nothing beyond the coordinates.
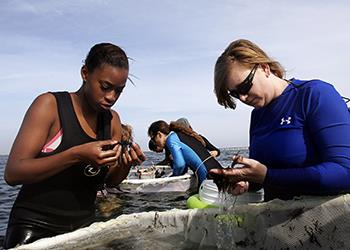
(71, 192)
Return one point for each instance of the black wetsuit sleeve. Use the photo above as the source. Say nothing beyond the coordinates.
(167, 160)
(209, 146)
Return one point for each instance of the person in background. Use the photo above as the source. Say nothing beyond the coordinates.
(67, 145)
(186, 147)
(214, 151)
(299, 129)
(167, 159)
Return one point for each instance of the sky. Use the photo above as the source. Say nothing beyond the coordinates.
(173, 46)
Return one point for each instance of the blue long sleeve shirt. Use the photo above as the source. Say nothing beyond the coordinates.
(184, 156)
(303, 137)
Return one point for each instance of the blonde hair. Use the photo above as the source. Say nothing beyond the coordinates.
(127, 133)
(244, 52)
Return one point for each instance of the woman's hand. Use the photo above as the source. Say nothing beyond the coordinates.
(238, 188)
(235, 180)
(214, 153)
(133, 156)
(99, 153)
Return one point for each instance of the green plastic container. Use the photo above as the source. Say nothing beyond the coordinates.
(194, 202)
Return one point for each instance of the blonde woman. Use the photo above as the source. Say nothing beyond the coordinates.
(299, 129)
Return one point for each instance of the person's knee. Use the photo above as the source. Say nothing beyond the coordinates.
(20, 235)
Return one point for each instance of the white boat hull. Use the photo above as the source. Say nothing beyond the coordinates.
(149, 184)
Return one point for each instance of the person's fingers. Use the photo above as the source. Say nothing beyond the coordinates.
(107, 144)
(217, 171)
(224, 171)
(132, 153)
(237, 158)
(245, 161)
(134, 157)
(124, 158)
(229, 172)
(111, 157)
(244, 186)
(128, 157)
(239, 188)
(252, 170)
(116, 150)
(138, 151)
(117, 147)
(247, 185)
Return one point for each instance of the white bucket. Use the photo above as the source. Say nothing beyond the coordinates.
(209, 193)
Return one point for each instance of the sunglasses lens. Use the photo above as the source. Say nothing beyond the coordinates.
(245, 86)
(234, 94)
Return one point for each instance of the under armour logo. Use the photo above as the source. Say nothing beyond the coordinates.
(286, 120)
(91, 170)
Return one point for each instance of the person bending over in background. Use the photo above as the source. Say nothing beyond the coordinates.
(214, 151)
(299, 129)
(168, 160)
(186, 147)
(67, 145)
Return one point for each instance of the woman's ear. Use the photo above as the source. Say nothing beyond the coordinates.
(266, 68)
(84, 73)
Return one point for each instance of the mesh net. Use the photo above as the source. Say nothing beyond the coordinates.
(305, 223)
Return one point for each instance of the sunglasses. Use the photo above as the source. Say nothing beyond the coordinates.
(153, 137)
(244, 87)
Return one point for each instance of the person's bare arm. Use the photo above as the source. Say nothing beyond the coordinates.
(23, 166)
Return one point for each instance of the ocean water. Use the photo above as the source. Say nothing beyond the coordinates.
(114, 205)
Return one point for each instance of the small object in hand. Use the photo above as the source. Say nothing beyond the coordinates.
(125, 145)
(225, 182)
(126, 140)
(127, 137)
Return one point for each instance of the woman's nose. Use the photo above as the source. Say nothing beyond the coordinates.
(112, 96)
